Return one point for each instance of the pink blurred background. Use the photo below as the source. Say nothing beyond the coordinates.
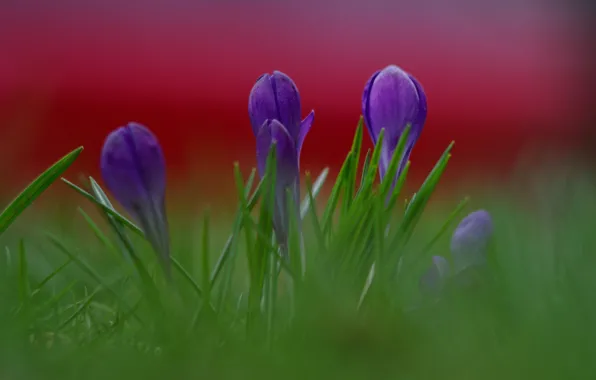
(500, 76)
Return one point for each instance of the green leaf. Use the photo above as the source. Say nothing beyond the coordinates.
(353, 166)
(419, 201)
(335, 192)
(205, 253)
(24, 286)
(316, 189)
(49, 277)
(372, 169)
(88, 269)
(313, 212)
(450, 219)
(35, 189)
(394, 163)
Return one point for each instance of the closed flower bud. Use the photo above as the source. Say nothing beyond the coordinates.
(470, 240)
(276, 97)
(275, 115)
(133, 169)
(391, 100)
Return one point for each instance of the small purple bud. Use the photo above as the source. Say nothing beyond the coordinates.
(133, 169)
(470, 240)
(392, 99)
(433, 280)
(276, 97)
(287, 172)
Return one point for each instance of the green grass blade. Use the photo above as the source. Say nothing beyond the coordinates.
(335, 193)
(49, 277)
(316, 189)
(84, 305)
(394, 163)
(419, 201)
(88, 270)
(24, 286)
(206, 266)
(450, 219)
(35, 189)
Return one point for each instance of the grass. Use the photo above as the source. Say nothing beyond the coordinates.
(93, 302)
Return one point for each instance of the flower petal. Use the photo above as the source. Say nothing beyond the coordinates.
(133, 165)
(366, 107)
(393, 102)
(287, 103)
(470, 240)
(304, 128)
(272, 131)
(261, 103)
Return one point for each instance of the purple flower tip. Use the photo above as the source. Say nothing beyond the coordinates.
(470, 240)
(392, 98)
(133, 169)
(276, 97)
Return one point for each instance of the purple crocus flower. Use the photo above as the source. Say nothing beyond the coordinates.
(275, 115)
(433, 280)
(392, 99)
(133, 169)
(470, 240)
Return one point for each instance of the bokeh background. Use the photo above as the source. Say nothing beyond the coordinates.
(502, 77)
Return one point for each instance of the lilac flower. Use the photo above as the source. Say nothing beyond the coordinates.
(470, 240)
(274, 109)
(133, 169)
(392, 99)
(433, 280)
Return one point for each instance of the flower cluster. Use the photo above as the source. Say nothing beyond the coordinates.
(133, 165)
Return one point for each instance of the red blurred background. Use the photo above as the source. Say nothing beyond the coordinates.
(500, 76)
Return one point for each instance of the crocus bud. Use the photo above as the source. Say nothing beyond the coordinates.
(470, 241)
(133, 169)
(392, 99)
(286, 175)
(433, 280)
(274, 109)
(276, 97)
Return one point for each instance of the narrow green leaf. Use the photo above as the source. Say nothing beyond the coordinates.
(335, 192)
(394, 163)
(373, 167)
(206, 265)
(80, 309)
(24, 286)
(87, 269)
(50, 277)
(316, 188)
(35, 189)
(313, 212)
(419, 201)
(450, 219)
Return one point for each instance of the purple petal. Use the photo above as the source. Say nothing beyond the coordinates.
(288, 103)
(393, 102)
(420, 118)
(304, 128)
(287, 161)
(133, 165)
(287, 174)
(470, 240)
(275, 97)
(133, 169)
(261, 103)
(366, 107)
